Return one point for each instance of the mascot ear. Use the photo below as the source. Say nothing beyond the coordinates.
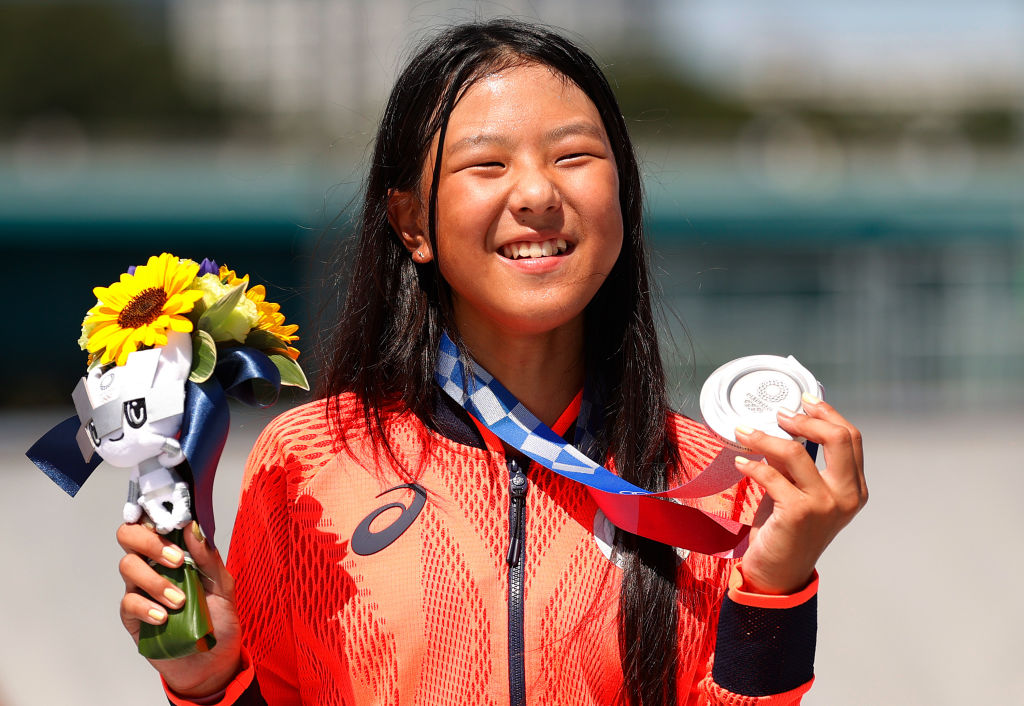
(175, 360)
(85, 443)
(139, 373)
(83, 402)
(84, 409)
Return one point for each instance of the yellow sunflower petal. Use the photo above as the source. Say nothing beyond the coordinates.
(182, 276)
(118, 342)
(99, 316)
(179, 323)
(258, 293)
(109, 295)
(182, 302)
(127, 349)
(100, 337)
(138, 336)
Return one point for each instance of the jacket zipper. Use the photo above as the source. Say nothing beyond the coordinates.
(516, 561)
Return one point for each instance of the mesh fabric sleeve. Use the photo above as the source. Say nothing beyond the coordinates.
(260, 562)
(764, 651)
(242, 691)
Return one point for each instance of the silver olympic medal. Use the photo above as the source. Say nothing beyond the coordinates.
(749, 391)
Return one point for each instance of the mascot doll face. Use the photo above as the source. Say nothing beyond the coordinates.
(134, 408)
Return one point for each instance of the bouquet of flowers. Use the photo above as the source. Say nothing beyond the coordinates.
(166, 344)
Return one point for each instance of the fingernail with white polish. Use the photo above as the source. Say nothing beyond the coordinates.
(808, 398)
(745, 430)
(785, 412)
(156, 616)
(174, 595)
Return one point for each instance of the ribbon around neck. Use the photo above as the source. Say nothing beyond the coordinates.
(243, 373)
(649, 514)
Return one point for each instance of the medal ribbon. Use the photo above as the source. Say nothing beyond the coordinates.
(629, 507)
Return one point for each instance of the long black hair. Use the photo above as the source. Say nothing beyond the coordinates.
(385, 345)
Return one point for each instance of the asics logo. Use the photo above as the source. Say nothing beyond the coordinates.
(365, 541)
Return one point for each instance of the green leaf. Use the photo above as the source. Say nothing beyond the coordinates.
(263, 340)
(218, 312)
(188, 629)
(291, 373)
(198, 309)
(204, 356)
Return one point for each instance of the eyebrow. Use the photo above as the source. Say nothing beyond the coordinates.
(587, 129)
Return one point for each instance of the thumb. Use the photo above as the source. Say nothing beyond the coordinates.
(216, 578)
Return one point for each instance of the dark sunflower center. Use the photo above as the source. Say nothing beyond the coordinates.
(144, 308)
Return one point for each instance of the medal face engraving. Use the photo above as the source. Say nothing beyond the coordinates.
(751, 390)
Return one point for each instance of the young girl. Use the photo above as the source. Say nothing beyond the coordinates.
(389, 549)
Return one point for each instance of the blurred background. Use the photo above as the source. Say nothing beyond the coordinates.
(843, 182)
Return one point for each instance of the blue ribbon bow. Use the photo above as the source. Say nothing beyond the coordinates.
(246, 374)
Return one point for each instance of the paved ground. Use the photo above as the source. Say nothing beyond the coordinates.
(918, 600)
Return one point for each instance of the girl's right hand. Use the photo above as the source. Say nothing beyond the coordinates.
(145, 600)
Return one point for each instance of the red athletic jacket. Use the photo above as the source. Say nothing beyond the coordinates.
(356, 588)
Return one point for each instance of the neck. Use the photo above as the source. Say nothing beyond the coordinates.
(544, 371)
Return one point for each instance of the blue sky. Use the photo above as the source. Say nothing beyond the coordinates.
(929, 40)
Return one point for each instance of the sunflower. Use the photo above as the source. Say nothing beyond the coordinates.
(137, 310)
(271, 320)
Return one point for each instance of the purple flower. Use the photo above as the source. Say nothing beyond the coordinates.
(208, 267)
(131, 269)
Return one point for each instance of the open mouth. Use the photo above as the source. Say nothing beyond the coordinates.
(527, 250)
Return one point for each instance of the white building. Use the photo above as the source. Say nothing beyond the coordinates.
(331, 62)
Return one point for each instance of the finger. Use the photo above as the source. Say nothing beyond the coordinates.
(820, 409)
(139, 575)
(841, 468)
(776, 485)
(147, 543)
(135, 606)
(785, 455)
(208, 560)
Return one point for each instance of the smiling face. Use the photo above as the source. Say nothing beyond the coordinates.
(528, 216)
(125, 426)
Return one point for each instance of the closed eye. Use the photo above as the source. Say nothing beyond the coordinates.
(573, 156)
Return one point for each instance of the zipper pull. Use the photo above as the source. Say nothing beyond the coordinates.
(517, 494)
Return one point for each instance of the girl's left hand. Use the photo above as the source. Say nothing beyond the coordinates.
(804, 509)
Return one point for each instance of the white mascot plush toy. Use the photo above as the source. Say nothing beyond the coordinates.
(131, 415)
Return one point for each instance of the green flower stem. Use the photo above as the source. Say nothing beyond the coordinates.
(188, 629)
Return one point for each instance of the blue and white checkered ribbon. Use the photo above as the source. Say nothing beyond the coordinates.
(496, 408)
(628, 506)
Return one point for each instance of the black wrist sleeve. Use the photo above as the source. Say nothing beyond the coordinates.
(763, 651)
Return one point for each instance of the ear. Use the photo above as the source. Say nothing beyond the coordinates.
(405, 214)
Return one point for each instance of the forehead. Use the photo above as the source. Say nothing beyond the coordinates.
(518, 99)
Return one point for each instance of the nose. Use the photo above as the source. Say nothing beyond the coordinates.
(534, 193)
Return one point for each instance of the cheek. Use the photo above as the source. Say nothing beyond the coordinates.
(606, 224)
(467, 215)
(596, 195)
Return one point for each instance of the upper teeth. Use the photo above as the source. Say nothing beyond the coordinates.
(514, 251)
